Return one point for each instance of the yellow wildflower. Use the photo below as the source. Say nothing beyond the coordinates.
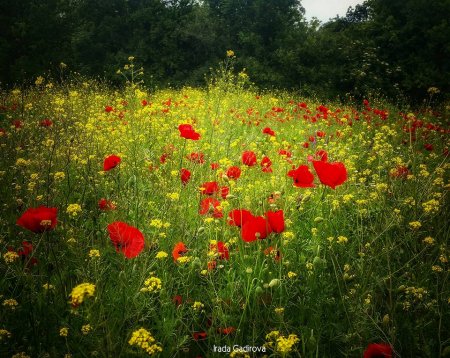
(73, 209)
(80, 292)
(144, 339)
(161, 255)
(64, 331)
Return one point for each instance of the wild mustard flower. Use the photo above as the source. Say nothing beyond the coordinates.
(428, 241)
(143, 339)
(86, 328)
(342, 240)
(198, 306)
(415, 225)
(80, 292)
(152, 284)
(64, 331)
(4, 333)
(11, 303)
(73, 209)
(94, 253)
(161, 255)
(10, 257)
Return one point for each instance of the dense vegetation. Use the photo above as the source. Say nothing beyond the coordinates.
(393, 47)
(169, 222)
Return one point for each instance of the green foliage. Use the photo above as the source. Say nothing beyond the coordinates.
(398, 48)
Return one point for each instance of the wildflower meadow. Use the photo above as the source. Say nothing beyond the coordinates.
(223, 221)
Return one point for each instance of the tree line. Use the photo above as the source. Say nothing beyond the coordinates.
(393, 47)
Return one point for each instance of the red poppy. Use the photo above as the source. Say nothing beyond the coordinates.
(378, 350)
(163, 158)
(272, 199)
(303, 178)
(233, 172)
(268, 131)
(199, 336)
(285, 153)
(224, 191)
(266, 165)
(179, 250)
(249, 158)
(209, 188)
(211, 206)
(255, 228)
(305, 145)
(428, 146)
(400, 172)
(221, 249)
(17, 123)
(239, 217)
(276, 220)
(186, 131)
(227, 330)
(214, 166)
(322, 155)
(126, 239)
(330, 174)
(46, 123)
(108, 109)
(27, 248)
(198, 158)
(104, 204)
(211, 265)
(38, 219)
(111, 162)
(177, 299)
(320, 134)
(273, 252)
(185, 176)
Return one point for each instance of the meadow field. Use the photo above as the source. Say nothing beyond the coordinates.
(222, 221)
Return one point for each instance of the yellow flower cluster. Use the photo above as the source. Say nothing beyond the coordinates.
(415, 225)
(161, 255)
(198, 306)
(73, 209)
(80, 292)
(86, 328)
(64, 331)
(21, 355)
(10, 257)
(230, 53)
(428, 241)
(58, 176)
(143, 339)
(285, 344)
(280, 343)
(11, 303)
(4, 333)
(183, 259)
(239, 353)
(431, 206)
(94, 253)
(342, 239)
(151, 284)
(173, 196)
(158, 223)
(291, 274)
